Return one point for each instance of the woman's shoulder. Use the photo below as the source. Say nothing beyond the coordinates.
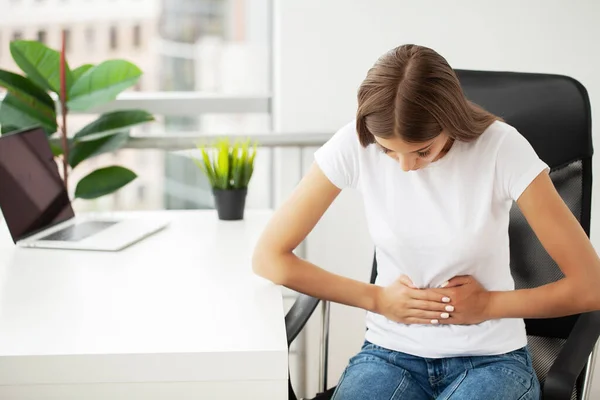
(339, 156)
(346, 140)
(495, 136)
(497, 132)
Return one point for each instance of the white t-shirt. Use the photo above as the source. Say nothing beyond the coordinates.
(447, 219)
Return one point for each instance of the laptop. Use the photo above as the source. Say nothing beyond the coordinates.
(37, 208)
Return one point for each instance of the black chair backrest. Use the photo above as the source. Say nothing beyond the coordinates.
(553, 113)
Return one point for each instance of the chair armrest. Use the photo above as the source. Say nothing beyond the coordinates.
(295, 319)
(298, 315)
(572, 358)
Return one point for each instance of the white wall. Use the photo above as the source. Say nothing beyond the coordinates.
(323, 50)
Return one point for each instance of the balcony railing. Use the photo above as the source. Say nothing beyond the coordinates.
(195, 104)
(184, 103)
(187, 141)
(188, 103)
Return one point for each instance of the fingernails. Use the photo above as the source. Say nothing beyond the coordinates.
(445, 315)
(449, 308)
(445, 284)
(446, 299)
(435, 321)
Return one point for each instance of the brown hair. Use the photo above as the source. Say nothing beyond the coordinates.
(412, 92)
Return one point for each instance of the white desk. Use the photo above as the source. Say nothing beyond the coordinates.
(177, 316)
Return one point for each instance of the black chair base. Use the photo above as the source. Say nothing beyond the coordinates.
(328, 394)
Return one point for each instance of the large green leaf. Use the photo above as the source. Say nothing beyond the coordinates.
(111, 122)
(33, 105)
(18, 113)
(91, 148)
(26, 90)
(102, 84)
(103, 181)
(77, 72)
(40, 63)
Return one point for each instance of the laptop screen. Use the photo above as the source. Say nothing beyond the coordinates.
(32, 193)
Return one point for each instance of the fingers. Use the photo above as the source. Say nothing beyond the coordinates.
(429, 295)
(426, 305)
(457, 281)
(421, 321)
(405, 280)
(430, 315)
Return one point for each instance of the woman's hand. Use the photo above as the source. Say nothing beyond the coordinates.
(402, 302)
(469, 298)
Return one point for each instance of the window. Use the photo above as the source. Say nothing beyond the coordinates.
(67, 33)
(90, 38)
(41, 36)
(217, 47)
(137, 36)
(113, 37)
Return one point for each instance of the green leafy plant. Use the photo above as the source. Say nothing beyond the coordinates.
(228, 166)
(28, 102)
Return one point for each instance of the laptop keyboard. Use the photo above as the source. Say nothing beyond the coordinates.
(79, 231)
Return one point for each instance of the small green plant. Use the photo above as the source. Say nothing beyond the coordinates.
(228, 166)
(45, 93)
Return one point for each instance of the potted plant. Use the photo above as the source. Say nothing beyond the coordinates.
(229, 169)
(49, 83)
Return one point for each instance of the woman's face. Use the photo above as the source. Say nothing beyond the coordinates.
(413, 156)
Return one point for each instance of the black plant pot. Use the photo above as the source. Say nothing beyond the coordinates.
(230, 203)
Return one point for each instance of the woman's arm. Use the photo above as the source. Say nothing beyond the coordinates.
(566, 242)
(568, 245)
(274, 259)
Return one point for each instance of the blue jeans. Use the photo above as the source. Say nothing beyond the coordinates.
(381, 374)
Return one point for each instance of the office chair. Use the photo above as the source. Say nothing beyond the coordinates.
(553, 113)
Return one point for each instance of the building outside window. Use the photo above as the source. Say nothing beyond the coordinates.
(41, 36)
(137, 36)
(67, 33)
(206, 46)
(90, 39)
(113, 37)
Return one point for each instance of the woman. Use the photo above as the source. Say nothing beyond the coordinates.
(438, 175)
